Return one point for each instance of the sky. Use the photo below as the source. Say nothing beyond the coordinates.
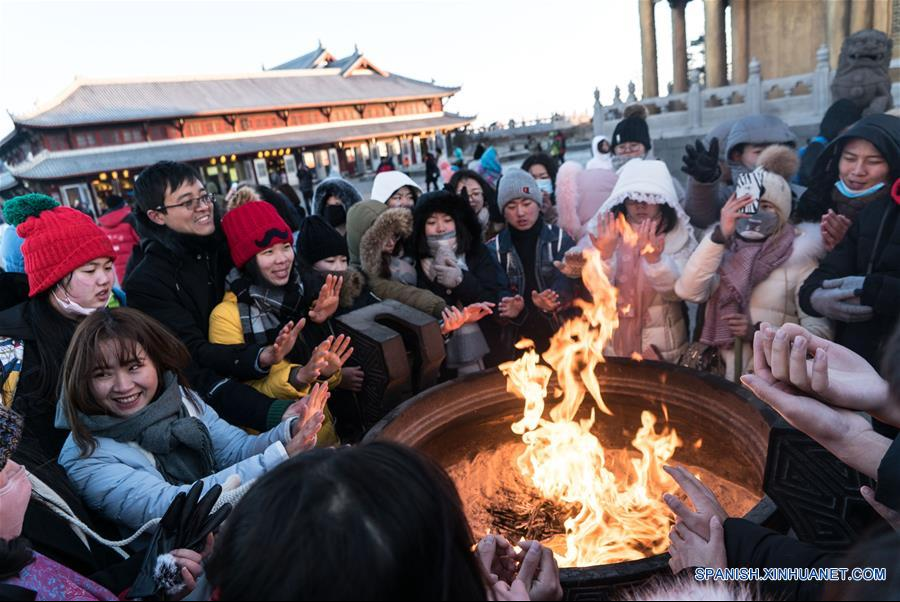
(513, 60)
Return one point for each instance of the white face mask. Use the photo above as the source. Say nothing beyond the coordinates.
(74, 309)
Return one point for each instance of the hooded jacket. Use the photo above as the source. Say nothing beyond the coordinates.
(369, 225)
(117, 226)
(599, 160)
(871, 248)
(705, 199)
(387, 183)
(883, 131)
(337, 187)
(663, 325)
(482, 279)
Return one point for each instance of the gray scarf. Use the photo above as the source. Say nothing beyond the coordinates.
(180, 444)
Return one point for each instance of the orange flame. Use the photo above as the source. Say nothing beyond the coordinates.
(637, 356)
(619, 513)
(629, 236)
(648, 249)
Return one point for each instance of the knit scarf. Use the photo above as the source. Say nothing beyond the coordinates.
(265, 309)
(402, 270)
(851, 207)
(441, 248)
(745, 265)
(180, 444)
(634, 299)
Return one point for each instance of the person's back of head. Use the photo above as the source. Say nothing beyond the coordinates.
(114, 202)
(282, 206)
(373, 522)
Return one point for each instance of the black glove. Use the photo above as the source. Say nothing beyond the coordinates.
(702, 164)
(185, 525)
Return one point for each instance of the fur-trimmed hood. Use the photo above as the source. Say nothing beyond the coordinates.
(354, 283)
(369, 226)
(338, 187)
(579, 195)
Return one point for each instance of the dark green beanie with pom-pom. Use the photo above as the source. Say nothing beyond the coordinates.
(20, 208)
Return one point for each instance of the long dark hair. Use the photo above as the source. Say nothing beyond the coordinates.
(490, 193)
(374, 522)
(126, 329)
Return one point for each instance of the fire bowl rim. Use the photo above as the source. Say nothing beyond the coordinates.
(589, 576)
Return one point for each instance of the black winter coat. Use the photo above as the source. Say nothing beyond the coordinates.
(179, 281)
(871, 248)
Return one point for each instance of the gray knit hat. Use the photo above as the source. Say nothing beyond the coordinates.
(517, 184)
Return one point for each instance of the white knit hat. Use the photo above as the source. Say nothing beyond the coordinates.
(647, 181)
(388, 182)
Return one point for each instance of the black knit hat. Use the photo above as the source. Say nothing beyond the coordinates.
(10, 433)
(631, 129)
(318, 240)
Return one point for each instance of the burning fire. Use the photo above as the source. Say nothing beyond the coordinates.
(618, 513)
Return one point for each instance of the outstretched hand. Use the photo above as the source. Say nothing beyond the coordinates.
(843, 432)
(284, 343)
(700, 163)
(310, 414)
(546, 300)
(327, 302)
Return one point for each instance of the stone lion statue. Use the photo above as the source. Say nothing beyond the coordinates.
(863, 71)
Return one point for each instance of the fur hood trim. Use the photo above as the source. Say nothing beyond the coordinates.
(391, 223)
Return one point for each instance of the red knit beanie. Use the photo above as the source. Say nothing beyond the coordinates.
(253, 228)
(58, 241)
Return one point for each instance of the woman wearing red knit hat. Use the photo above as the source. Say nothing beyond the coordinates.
(69, 267)
(269, 302)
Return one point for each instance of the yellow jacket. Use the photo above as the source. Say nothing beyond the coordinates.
(225, 329)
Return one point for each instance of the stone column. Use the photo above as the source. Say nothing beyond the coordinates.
(648, 48)
(679, 47)
(740, 55)
(860, 15)
(882, 15)
(715, 44)
(838, 18)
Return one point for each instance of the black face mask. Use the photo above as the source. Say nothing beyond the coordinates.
(335, 215)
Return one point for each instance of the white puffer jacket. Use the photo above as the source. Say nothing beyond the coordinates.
(664, 327)
(774, 300)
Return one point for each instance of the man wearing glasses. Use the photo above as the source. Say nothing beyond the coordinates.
(179, 280)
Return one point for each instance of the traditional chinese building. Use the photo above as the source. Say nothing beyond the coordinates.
(332, 114)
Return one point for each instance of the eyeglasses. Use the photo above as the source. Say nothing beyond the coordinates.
(190, 204)
(475, 193)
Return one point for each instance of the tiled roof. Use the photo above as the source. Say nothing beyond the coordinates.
(94, 102)
(63, 164)
(306, 61)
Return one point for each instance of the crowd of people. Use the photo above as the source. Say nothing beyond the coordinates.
(186, 344)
